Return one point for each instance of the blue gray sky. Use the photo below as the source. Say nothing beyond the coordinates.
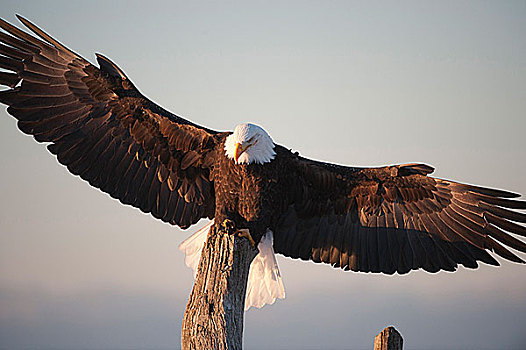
(356, 83)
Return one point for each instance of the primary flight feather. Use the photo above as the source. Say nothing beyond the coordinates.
(389, 219)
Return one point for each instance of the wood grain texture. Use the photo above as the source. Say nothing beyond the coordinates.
(388, 339)
(213, 317)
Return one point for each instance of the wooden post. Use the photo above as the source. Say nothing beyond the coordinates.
(213, 318)
(388, 339)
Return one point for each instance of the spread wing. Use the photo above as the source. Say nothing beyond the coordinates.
(395, 219)
(101, 127)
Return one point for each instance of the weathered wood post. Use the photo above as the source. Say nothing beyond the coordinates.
(213, 317)
(388, 339)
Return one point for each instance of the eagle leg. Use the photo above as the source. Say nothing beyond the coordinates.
(244, 232)
(230, 227)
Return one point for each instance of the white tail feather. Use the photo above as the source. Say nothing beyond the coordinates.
(192, 247)
(264, 279)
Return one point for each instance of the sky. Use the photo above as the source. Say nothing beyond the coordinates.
(355, 83)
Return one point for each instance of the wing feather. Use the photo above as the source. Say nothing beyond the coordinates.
(395, 219)
(104, 130)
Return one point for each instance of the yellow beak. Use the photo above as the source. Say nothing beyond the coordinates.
(240, 148)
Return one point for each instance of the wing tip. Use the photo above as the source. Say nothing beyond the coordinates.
(25, 21)
(48, 39)
(487, 191)
(21, 18)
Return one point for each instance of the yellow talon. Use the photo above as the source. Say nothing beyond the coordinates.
(228, 225)
(244, 232)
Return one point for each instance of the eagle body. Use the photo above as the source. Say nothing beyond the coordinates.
(240, 193)
(390, 219)
(252, 195)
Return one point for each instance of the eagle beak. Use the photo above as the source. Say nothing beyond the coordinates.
(240, 148)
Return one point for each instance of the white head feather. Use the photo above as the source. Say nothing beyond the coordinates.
(253, 143)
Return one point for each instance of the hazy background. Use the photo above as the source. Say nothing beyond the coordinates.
(355, 83)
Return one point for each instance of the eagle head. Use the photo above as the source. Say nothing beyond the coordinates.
(248, 144)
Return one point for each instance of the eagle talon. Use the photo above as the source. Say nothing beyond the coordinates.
(244, 232)
(228, 225)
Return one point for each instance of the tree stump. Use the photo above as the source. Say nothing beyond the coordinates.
(388, 339)
(213, 317)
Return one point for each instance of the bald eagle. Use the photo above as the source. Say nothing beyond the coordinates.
(390, 219)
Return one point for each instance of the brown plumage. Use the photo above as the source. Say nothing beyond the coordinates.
(389, 219)
(396, 219)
